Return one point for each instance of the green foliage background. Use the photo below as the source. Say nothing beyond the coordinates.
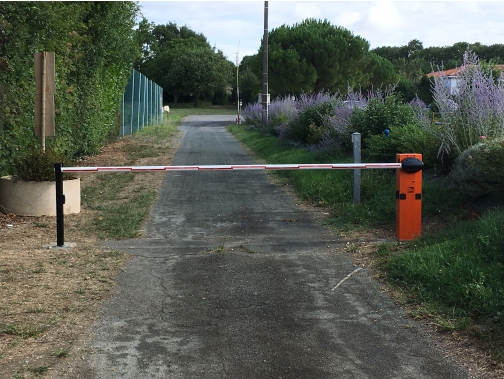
(95, 46)
(315, 56)
(183, 62)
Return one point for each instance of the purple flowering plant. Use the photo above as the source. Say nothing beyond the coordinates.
(252, 114)
(473, 109)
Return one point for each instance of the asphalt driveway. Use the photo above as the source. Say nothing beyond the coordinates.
(234, 280)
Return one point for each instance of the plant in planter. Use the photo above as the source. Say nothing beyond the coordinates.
(38, 166)
(30, 191)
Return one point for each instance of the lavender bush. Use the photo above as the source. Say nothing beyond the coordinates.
(350, 115)
(337, 125)
(282, 112)
(310, 100)
(474, 109)
(252, 114)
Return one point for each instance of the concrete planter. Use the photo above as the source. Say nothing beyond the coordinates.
(37, 198)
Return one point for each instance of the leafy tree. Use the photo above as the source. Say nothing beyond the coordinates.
(169, 50)
(382, 72)
(200, 70)
(411, 68)
(158, 68)
(145, 40)
(389, 52)
(164, 34)
(314, 56)
(250, 86)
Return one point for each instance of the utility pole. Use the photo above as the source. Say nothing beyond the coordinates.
(265, 67)
(238, 121)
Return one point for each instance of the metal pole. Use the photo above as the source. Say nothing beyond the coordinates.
(60, 201)
(356, 140)
(265, 67)
(238, 84)
(44, 81)
(132, 100)
(139, 103)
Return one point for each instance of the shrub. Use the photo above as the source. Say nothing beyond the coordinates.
(337, 126)
(309, 124)
(38, 165)
(220, 97)
(281, 112)
(479, 169)
(475, 109)
(381, 114)
(252, 114)
(94, 48)
(409, 138)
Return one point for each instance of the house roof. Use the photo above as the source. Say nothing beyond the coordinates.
(459, 70)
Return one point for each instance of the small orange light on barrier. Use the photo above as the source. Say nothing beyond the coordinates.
(409, 197)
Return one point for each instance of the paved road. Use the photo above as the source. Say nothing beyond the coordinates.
(235, 281)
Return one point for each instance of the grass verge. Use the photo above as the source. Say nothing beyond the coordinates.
(455, 278)
(122, 201)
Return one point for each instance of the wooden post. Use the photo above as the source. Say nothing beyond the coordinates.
(44, 95)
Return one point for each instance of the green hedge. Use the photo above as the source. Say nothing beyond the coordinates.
(94, 45)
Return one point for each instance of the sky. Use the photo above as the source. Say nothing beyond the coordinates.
(238, 26)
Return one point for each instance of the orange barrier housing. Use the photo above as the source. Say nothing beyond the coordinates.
(408, 201)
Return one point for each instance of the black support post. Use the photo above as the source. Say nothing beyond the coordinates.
(60, 201)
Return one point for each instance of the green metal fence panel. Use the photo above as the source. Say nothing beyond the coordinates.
(142, 104)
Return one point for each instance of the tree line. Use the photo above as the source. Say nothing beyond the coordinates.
(314, 56)
(183, 62)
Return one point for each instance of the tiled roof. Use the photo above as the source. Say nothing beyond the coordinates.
(458, 70)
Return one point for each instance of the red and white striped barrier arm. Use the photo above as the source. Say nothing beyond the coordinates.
(327, 166)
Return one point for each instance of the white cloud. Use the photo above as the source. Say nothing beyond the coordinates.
(384, 15)
(347, 18)
(307, 10)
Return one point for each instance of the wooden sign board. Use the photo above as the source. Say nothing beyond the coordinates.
(45, 89)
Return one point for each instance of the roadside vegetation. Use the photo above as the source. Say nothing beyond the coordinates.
(94, 45)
